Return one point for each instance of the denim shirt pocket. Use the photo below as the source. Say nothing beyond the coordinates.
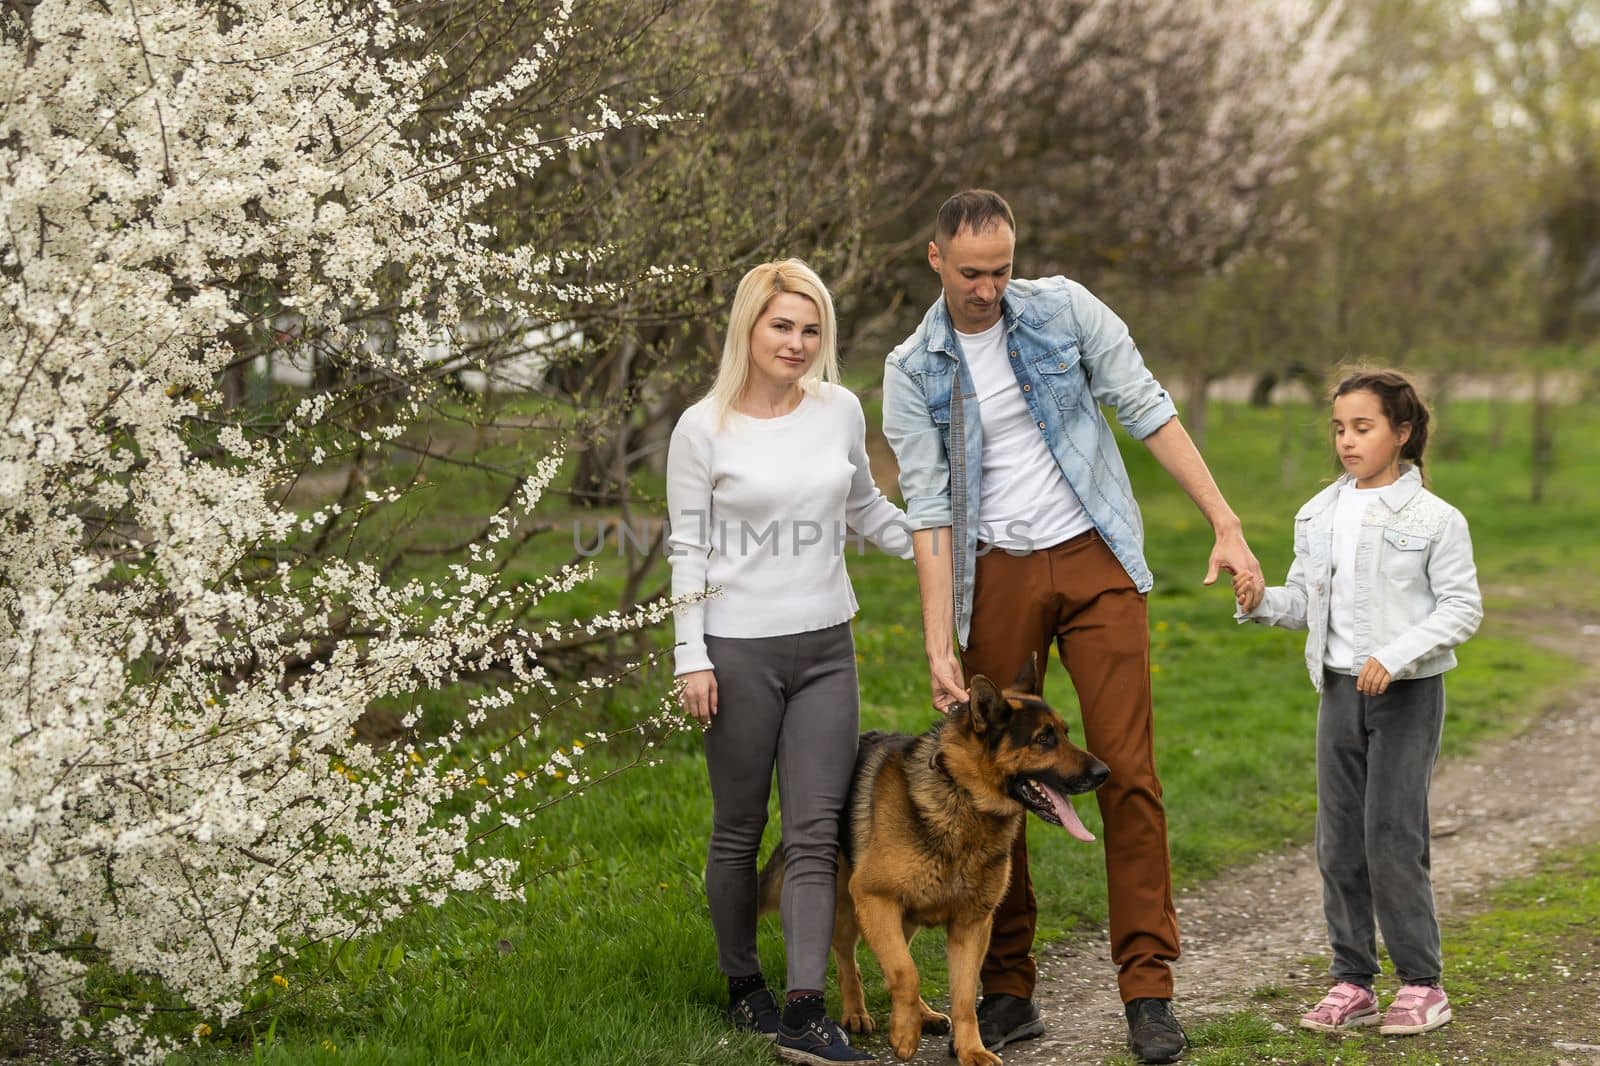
(1061, 372)
(936, 385)
(1405, 556)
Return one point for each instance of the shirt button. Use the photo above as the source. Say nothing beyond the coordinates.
(1013, 355)
(1041, 425)
(1061, 366)
(1027, 388)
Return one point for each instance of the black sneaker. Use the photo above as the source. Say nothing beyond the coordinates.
(1153, 1033)
(819, 1042)
(756, 1013)
(1004, 1019)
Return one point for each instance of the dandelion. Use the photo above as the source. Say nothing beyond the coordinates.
(280, 980)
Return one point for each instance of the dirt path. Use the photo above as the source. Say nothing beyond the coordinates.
(1495, 815)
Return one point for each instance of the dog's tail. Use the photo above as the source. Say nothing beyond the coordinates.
(769, 887)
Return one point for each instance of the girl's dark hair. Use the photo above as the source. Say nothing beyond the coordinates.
(1400, 402)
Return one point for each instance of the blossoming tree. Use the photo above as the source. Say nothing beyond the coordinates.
(182, 800)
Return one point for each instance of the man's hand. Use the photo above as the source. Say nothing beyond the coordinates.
(1232, 554)
(1173, 448)
(699, 696)
(944, 674)
(935, 583)
(1374, 678)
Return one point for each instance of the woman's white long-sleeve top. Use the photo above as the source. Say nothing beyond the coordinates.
(764, 510)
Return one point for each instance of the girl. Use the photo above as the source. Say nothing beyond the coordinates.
(1384, 580)
(762, 477)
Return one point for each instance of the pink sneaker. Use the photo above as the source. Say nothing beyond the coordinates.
(1416, 1009)
(1344, 1007)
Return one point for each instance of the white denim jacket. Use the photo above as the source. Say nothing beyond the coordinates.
(1416, 585)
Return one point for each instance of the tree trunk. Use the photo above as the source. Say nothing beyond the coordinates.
(1261, 390)
(1288, 473)
(235, 386)
(1196, 409)
(1544, 437)
(601, 479)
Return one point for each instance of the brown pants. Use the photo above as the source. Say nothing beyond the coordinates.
(1077, 594)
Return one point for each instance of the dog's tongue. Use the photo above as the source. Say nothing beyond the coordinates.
(1069, 817)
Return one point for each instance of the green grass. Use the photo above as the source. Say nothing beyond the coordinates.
(1522, 974)
(611, 958)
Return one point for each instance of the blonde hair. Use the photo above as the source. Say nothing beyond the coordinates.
(755, 292)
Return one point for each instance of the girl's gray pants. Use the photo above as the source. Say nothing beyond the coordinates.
(791, 702)
(1375, 757)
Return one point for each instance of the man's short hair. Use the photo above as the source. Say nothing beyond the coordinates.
(974, 209)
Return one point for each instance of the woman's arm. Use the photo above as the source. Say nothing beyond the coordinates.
(689, 540)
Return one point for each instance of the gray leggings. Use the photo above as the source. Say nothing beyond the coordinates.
(1375, 757)
(790, 701)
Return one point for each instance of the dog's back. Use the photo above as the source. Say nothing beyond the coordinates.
(875, 749)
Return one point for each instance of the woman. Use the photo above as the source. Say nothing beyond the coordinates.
(763, 475)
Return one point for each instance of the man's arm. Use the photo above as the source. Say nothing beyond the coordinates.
(925, 484)
(1173, 449)
(937, 584)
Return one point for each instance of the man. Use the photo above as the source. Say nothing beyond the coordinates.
(1026, 532)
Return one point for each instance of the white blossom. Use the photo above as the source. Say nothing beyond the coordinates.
(178, 795)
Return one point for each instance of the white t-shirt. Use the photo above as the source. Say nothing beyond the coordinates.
(1027, 503)
(1347, 512)
(763, 509)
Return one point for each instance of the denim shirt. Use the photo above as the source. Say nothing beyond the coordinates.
(1070, 354)
(1416, 585)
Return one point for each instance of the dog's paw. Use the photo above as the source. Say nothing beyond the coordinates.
(980, 1056)
(857, 1021)
(934, 1022)
(904, 1037)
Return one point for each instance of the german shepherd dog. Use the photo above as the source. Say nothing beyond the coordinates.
(926, 840)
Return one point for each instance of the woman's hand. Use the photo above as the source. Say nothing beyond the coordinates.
(699, 696)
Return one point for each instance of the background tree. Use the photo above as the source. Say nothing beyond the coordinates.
(183, 657)
(1544, 57)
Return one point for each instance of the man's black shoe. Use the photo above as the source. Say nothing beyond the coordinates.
(1004, 1019)
(1153, 1033)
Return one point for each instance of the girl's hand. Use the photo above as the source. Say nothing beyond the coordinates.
(1373, 680)
(1248, 592)
(699, 696)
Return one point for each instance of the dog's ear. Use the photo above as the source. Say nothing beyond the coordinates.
(1028, 677)
(986, 707)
